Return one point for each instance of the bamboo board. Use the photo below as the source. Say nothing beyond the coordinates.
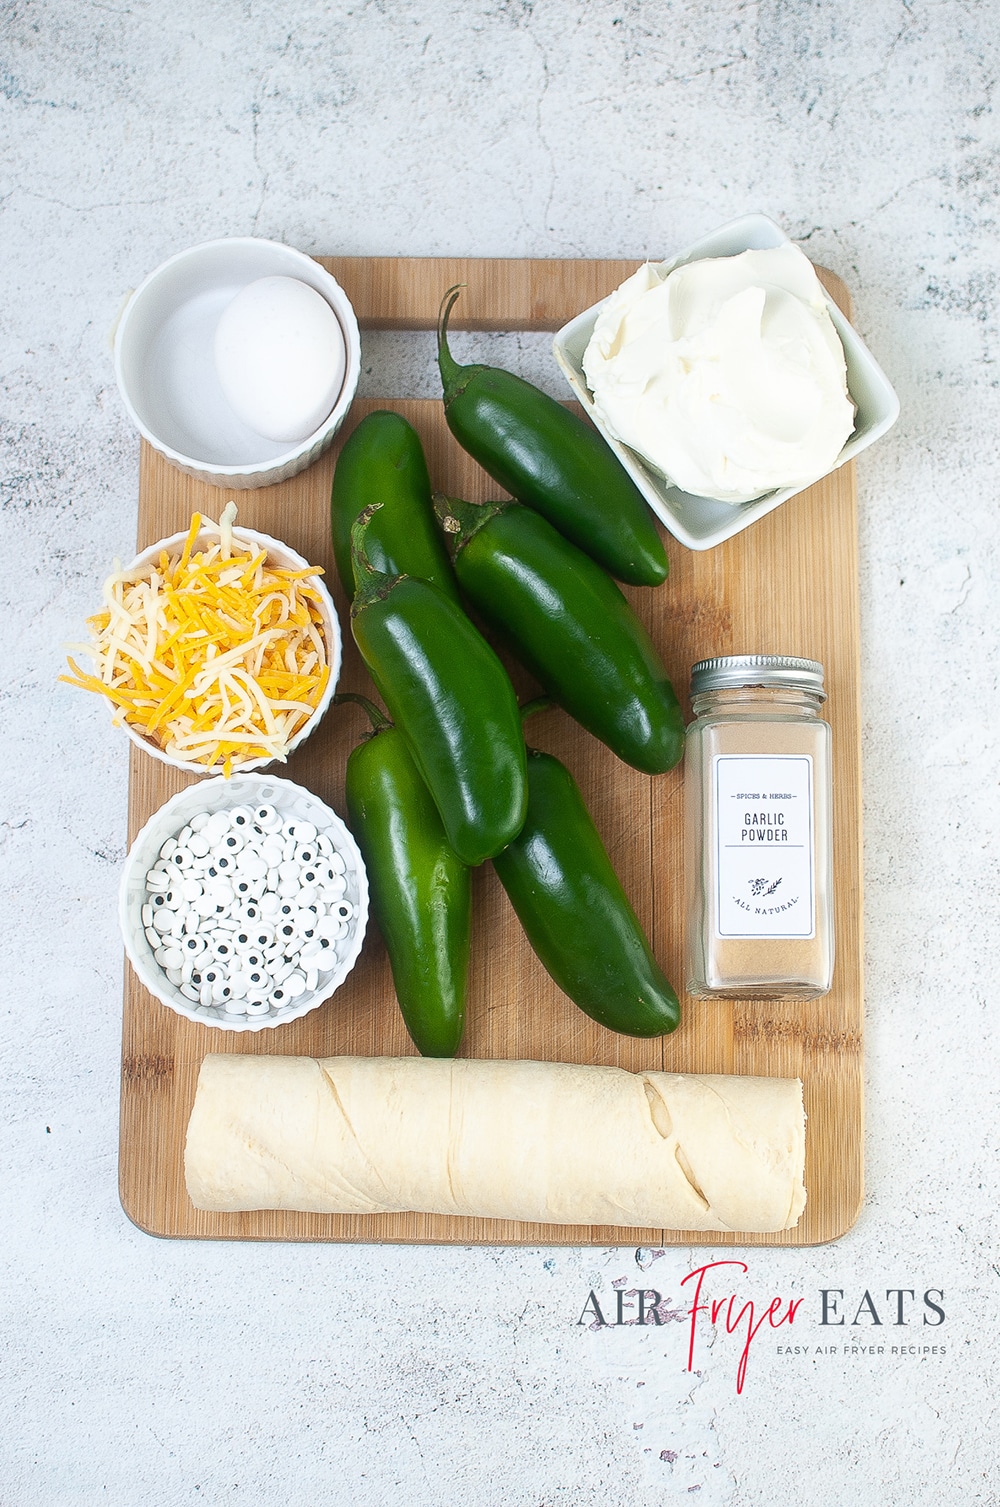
(788, 585)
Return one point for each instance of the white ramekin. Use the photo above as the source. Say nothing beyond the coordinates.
(284, 558)
(220, 795)
(165, 364)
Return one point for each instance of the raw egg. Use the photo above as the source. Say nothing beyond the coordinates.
(280, 356)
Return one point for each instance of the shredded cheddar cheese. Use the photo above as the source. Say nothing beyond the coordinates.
(215, 656)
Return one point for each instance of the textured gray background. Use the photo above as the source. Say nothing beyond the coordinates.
(139, 1371)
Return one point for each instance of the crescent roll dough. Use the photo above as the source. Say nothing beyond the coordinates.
(538, 1141)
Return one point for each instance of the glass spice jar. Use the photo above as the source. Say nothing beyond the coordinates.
(759, 864)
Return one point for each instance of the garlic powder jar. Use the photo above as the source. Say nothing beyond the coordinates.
(759, 861)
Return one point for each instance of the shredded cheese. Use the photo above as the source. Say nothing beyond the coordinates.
(216, 657)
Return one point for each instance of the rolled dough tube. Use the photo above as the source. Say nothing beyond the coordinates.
(538, 1141)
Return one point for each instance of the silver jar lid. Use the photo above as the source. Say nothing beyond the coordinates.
(731, 671)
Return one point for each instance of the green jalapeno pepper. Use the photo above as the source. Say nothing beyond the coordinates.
(546, 456)
(575, 913)
(450, 697)
(421, 891)
(568, 623)
(383, 461)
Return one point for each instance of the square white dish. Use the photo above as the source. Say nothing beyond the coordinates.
(702, 522)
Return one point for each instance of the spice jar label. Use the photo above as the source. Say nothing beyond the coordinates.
(763, 810)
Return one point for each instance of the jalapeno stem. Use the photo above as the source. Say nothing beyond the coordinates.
(380, 723)
(451, 371)
(539, 704)
(461, 520)
(370, 584)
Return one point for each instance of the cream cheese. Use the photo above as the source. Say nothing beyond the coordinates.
(726, 375)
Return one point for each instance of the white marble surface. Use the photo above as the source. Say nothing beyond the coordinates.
(162, 1373)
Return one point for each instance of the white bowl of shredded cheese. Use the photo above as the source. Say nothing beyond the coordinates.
(219, 649)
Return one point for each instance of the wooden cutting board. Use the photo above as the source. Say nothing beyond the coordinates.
(787, 585)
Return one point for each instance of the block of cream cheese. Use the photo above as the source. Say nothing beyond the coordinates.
(726, 375)
(555, 1143)
(280, 356)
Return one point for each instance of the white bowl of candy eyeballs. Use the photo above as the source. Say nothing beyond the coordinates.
(243, 902)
